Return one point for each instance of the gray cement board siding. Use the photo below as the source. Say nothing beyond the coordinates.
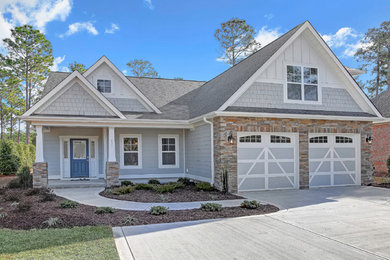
(149, 151)
(51, 145)
(198, 151)
(128, 104)
(270, 95)
(75, 101)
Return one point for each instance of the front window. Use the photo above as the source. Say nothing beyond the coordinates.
(302, 83)
(131, 151)
(104, 85)
(168, 146)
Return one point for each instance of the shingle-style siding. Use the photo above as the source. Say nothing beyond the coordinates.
(128, 104)
(270, 95)
(198, 152)
(75, 101)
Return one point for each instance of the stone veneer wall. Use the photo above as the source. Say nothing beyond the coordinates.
(225, 154)
(112, 174)
(40, 175)
(381, 148)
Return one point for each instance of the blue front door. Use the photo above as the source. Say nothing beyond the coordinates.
(79, 158)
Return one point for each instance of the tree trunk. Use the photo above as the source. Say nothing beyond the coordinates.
(18, 130)
(11, 130)
(27, 99)
(377, 77)
(1, 119)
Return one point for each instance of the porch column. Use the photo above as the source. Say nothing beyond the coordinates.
(105, 148)
(39, 144)
(111, 144)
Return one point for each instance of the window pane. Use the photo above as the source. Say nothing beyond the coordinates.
(79, 149)
(104, 86)
(164, 140)
(169, 158)
(66, 150)
(126, 140)
(130, 159)
(311, 93)
(171, 140)
(294, 91)
(165, 147)
(310, 75)
(294, 74)
(130, 144)
(172, 147)
(92, 149)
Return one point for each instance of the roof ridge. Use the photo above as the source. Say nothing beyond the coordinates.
(134, 77)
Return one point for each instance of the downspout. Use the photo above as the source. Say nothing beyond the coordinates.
(212, 147)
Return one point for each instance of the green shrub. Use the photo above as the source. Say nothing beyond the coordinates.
(158, 210)
(9, 161)
(250, 204)
(177, 185)
(211, 207)
(25, 177)
(153, 181)
(185, 181)
(129, 220)
(104, 210)
(205, 186)
(25, 153)
(143, 186)
(32, 192)
(388, 164)
(68, 204)
(164, 188)
(123, 190)
(47, 195)
(52, 222)
(24, 207)
(3, 215)
(14, 184)
(126, 183)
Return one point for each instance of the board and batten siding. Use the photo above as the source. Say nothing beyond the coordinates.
(198, 153)
(268, 88)
(150, 164)
(51, 147)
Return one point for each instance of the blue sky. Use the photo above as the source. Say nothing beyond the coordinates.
(178, 36)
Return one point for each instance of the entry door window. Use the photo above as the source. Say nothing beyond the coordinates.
(79, 149)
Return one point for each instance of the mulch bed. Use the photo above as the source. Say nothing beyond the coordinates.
(5, 179)
(185, 194)
(84, 215)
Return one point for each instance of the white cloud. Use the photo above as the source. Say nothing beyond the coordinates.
(124, 72)
(149, 4)
(114, 27)
(265, 35)
(269, 16)
(78, 27)
(352, 48)
(341, 37)
(56, 64)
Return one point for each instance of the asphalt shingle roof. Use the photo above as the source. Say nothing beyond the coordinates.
(382, 103)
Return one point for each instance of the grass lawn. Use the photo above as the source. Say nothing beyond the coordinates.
(68, 243)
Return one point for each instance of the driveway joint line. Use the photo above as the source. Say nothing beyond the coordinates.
(329, 238)
(128, 244)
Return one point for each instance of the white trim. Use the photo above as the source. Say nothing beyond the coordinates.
(111, 145)
(139, 152)
(39, 144)
(105, 148)
(184, 150)
(199, 178)
(151, 176)
(104, 59)
(177, 150)
(91, 89)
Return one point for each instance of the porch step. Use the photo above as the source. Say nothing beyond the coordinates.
(62, 184)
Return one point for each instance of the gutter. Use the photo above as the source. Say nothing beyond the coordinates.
(212, 147)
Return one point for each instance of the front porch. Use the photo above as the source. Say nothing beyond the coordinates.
(76, 183)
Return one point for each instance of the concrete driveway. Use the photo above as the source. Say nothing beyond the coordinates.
(328, 223)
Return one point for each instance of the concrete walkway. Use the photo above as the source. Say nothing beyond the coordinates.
(90, 196)
(329, 223)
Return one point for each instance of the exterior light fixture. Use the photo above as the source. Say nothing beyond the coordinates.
(230, 137)
(369, 139)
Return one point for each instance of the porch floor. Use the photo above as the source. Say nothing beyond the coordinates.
(62, 184)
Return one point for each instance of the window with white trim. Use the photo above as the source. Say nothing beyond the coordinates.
(302, 83)
(131, 151)
(104, 85)
(168, 151)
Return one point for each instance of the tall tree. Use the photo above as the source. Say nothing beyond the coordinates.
(236, 39)
(28, 58)
(77, 66)
(142, 68)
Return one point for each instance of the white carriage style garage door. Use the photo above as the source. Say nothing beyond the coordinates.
(334, 160)
(267, 161)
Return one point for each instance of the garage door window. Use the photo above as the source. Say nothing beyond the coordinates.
(250, 139)
(319, 140)
(343, 140)
(280, 139)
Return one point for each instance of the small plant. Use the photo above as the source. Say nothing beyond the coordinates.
(143, 186)
(11, 197)
(129, 220)
(185, 181)
(123, 190)
(68, 204)
(24, 207)
(211, 207)
(104, 210)
(205, 186)
(126, 183)
(153, 181)
(3, 215)
(51, 222)
(25, 177)
(164, 188)
(388, 164)
(47, 195)
(14, 184)
(14, 204)
(225, 181)
(158, 210)
(177, 185)
(32, 192)
(250, 204)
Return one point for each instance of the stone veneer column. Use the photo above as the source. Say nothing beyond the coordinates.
(112, 174)
(40, 175)
(303, 159)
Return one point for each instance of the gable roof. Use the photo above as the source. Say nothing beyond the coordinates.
(50, 96)
(212, 95)
(382, 102)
